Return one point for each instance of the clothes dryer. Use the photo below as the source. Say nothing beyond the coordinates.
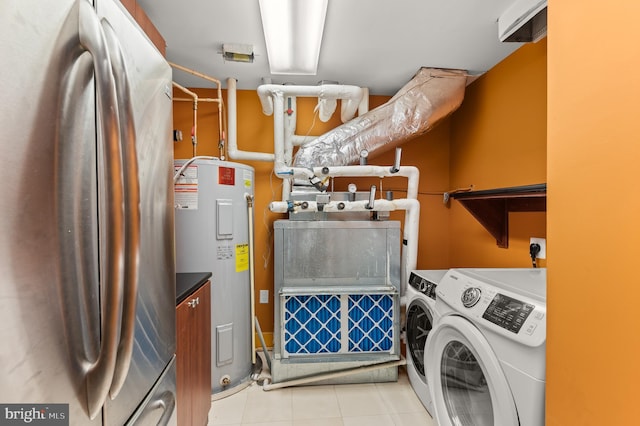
(487, 349)
(420, 317)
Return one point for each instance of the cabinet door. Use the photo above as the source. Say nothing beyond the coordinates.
(194, 357)
(201, 345)
(183, 362)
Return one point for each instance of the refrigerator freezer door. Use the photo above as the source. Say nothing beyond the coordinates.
(149, 80)
(159, 408)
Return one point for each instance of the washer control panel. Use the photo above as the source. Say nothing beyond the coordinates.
(426, 281)
(471, 296)
(507, 312)
(514, 307)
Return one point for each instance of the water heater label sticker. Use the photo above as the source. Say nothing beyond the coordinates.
(248, 178)
(189, 176)
(224, 252)
(186, 189)
(242, 257)
(186, 198)
(226, 176)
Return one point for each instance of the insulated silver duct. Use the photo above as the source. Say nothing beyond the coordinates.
(430, 96)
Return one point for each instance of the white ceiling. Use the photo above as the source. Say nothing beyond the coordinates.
(369, 43)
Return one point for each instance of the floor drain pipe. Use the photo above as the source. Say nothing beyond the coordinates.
(334, 375)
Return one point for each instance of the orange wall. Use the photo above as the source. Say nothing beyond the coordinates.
(498, 139)
(589, 159)
(593, 341)
(459, 151)
(429, 152)
(488, 143)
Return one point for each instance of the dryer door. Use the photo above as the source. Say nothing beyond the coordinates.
(467, 384)
(419, 325)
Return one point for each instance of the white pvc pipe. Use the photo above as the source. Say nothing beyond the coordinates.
(326, 108)
(339, 206)
(290, 124)
(410, 204)
(364, 104)
(232, 135)
(411, 224)
(290, 119)
(410, 172)
(280, 161)
(335, 375)
(298, 140)
(410, 242)
(273, 97)
(351, 96)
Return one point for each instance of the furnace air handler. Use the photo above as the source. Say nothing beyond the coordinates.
(337, 288)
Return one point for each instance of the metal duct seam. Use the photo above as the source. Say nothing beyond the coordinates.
(426, 99)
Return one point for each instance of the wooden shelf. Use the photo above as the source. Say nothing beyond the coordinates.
(491, 207)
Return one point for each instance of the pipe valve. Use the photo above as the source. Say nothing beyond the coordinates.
(364, 154)
(317, 183)
(396, 164)
(372, 196)
(352, 188)
(322, 200)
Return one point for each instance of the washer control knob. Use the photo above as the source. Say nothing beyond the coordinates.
(422, 286)
(471, 296)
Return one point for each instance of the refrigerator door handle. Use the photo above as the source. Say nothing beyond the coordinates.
(99, 373)
(167, 402)
(132, 210)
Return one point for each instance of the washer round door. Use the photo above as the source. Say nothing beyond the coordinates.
(419, 325)
(467, 384)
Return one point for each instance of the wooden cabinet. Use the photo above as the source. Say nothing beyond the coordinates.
(145, 23)
(193, 357)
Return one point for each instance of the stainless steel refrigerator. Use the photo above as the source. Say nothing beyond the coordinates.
(87, 274)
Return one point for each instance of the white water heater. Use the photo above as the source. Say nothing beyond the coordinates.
(212, 235)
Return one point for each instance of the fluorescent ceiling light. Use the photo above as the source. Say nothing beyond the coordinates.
(293, 33)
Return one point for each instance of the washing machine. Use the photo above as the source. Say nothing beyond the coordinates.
(487, 349)
(420, 317)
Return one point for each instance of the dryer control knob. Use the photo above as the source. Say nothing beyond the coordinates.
(471, 296)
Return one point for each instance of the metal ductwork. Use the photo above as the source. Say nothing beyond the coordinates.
(430, 96)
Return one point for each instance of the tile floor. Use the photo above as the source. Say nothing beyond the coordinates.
(370, 404)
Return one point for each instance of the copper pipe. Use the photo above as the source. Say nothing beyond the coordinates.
(220, 110)
(194, 130)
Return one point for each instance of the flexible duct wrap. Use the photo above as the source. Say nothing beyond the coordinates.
(431, 95)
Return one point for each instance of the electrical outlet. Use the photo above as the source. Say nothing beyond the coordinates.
(543, 246)
(264, 296)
